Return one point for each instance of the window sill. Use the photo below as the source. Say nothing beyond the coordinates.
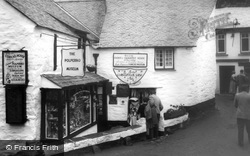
(221, 54)
(244, 54)
(164, 69)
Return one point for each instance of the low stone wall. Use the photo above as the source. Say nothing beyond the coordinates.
(114, 134)
(201, 107)
(117, 134)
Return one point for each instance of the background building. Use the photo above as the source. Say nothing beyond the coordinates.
(232, 40)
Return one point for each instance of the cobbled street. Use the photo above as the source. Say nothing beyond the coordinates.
(214, 133)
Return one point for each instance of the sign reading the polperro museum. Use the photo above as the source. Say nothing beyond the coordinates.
(130, 60)
(15, 67)
(72, 62)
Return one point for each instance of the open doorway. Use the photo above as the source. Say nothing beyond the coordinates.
(225, 75)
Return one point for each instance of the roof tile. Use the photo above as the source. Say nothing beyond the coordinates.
(147, 23)
(46, 13)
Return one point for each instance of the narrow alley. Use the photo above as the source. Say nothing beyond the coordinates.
(212, 134)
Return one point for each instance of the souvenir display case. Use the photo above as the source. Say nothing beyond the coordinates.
(68, 112)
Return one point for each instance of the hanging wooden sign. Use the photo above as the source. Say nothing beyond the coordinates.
(72, 62)
(15, 67)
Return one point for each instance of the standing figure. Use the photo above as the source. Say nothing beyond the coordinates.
(242, 103)
(133, 108)
(142, 107)
(241, 79)
(232, 87)
(152, 114)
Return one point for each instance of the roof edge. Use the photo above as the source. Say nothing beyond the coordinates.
(188, 46)
(90, 31)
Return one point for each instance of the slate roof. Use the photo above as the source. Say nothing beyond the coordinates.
(151, 23)
(91, 12)
(46, 13)
(69, 81)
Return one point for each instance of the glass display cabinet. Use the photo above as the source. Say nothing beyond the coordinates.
(69, 111)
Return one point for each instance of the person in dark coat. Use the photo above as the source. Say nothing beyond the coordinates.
(241, 80)
(141, 109)
(152, 114)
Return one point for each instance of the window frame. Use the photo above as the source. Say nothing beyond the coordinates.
(63, 96)
(217, 43)
(241, 42)
(164, 50)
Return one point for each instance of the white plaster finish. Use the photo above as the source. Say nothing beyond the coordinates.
(232, 51)
(17, 32)
(241, 13)
(193, 81)
(233, 44)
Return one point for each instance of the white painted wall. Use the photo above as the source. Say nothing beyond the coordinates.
(193, 81)
(241, 13)
(232, 51)
(232, 43)
(16, 32)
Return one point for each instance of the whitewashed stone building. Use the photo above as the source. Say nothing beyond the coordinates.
(146, 44)
(232, 41)
(159, 31)
(41, 28)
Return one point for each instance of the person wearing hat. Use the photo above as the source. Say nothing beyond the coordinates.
(133, 108)
(242, 103)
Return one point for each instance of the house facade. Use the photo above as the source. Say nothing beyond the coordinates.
(163, 49)
(43, 96)
(137, 47)
(232, 41)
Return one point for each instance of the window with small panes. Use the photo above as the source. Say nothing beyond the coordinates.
(164, 58)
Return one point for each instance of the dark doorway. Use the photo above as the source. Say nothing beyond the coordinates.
(225, 75)
(102, 92)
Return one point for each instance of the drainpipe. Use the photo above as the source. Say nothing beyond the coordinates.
(95, 57)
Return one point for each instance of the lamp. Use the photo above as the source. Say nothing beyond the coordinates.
(95, 57)
(235, 22)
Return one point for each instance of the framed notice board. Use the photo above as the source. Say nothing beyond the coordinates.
(15, 67)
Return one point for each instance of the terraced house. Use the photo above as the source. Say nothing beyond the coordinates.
(232, 41)
(136, 46)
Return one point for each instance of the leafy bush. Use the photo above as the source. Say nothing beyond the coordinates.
(175, 111)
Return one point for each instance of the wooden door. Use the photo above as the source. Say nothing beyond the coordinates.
(225, 75)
